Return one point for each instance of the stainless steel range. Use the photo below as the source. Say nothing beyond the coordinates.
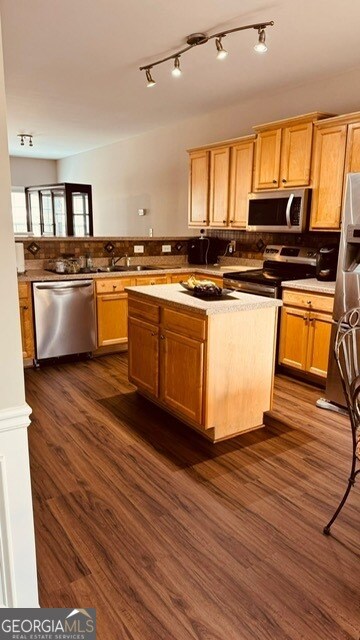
(281, 263)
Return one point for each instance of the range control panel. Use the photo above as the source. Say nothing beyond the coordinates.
(284, 253)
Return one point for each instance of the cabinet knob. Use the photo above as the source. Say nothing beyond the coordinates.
(152, 282)
(274, 181)
(204, 220)
(162, 337)
(224, 221)
(153, 333)
(283, 180)
(231, 221)
(308, 302)
(25, 308)
(114, 286)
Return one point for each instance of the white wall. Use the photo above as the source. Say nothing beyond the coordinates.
(32, 171)
(18, 586)
(151, 170)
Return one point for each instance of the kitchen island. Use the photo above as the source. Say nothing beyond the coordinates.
(208, 362)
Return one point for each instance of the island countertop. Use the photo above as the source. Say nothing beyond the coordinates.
(176, 296)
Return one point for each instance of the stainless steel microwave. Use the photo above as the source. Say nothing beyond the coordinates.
(278, 211)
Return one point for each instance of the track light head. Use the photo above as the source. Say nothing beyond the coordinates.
(221, 52)
(150, 80)
(176, 72)
(260, 46)
(22, 141)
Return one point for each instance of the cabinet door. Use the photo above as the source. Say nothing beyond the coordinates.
(293, 337)
(352, 163)
(112, 319)
(267, 163)
(27, 336)
(198, 188)
(318, 343)
(329, 159)
(182, 374)
(296, 155)
(242, 156)
(143, 356)
(219, 186)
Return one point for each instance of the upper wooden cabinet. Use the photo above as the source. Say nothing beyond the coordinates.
(336, 153)
(242, 155)
(268, 145)
(219, 186)
(283, 152)
(328, 172)
(198, 188)
(219, 183)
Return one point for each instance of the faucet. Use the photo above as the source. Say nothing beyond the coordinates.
(114, 261)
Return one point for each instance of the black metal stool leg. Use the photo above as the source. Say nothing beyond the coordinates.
(326, 529)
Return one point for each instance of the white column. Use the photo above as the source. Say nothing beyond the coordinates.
(18, 584)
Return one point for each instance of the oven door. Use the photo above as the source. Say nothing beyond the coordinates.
(283, 212)
(256, 289)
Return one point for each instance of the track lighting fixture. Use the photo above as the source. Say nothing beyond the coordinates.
(25, 137)
(150, 80)
(221, 52)
(176, 72)
(260, 46)
(195, 39)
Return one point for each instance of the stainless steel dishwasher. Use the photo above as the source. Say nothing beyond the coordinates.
(64, 318)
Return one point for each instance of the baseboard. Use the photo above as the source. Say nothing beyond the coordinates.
(15, 417)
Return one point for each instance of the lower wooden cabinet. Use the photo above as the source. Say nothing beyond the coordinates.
(305, 333)
(112, 325)
(26, 320)
(167, 365)
(143, 355)
(182, 374)
(111, 311)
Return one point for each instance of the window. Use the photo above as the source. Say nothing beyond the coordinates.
(53, 210)
(19, 214)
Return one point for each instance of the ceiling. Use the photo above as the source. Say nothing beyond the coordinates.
(71, 66)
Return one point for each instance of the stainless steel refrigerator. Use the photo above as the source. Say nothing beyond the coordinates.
(347, 288)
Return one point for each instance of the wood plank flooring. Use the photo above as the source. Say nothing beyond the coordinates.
(173, 538)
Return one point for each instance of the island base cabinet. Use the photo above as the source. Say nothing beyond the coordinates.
(182, 374)
(143, 355)
(214, 372)
(239, 370)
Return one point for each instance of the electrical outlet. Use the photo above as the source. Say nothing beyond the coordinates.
(138, 248)
(166, 248)
(232, 246)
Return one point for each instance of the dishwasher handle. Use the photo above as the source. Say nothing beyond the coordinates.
(62, 286)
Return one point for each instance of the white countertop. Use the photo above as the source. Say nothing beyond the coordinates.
(174, 295)
(310, 284)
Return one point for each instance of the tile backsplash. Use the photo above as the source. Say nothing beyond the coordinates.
(249, 245)
(51, 248)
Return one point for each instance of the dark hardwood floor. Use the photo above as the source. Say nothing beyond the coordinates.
(173, 538)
